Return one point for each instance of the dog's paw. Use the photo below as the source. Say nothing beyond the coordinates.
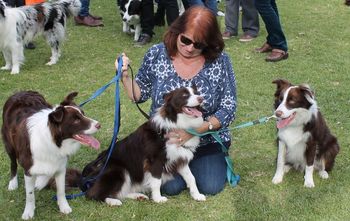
(6, 68)
(51, 63)
(13, 184)
(323, 174)
(15, 70)
(137, 196)
(277, 179)
(113, 202)
(28, 214)
(65, 208)
(161, 199)
(198, 197)
(309, 184)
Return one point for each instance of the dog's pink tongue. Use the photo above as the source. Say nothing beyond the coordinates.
(192, 111)
(284, 122)
(87, 140)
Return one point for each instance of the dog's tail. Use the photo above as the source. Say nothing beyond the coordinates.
(71, 7)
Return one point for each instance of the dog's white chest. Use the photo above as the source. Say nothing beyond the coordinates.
(295, 140)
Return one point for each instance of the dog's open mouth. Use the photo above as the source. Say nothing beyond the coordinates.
(282, 122)
(87, 140)
(192, 111)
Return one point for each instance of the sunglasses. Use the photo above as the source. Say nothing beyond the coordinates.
(187, 41)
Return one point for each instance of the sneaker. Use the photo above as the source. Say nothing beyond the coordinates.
(246, 38)
(227, 35)
(220, 13)
(143, 39)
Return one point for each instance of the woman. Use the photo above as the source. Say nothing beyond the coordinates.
(192, 53)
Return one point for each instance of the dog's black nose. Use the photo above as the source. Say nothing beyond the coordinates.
(124, 19)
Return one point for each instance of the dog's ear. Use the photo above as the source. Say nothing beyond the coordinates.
(281, 84)
(194, 87)
(69, 99)
(57, 115)
(308, 93)
(166, 97)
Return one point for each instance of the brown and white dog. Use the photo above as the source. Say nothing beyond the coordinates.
(304, 140)
(145, 159)
(41, 138)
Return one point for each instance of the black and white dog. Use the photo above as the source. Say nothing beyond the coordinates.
(130, 11)
(20, 25)
(41, 138)
(145, 159)
(304, 140)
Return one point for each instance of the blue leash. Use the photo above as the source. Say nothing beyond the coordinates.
(116, 124)
(232, 178)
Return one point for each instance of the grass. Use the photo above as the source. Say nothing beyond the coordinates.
(319, 46)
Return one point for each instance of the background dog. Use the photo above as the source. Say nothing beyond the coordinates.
(130, 11)
(144, 159)
(41, 138)
(304, 140)
(20, 25)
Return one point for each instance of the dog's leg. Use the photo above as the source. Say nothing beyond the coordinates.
(61, 194)
(55, 38)
(13, 184)
(137, 196)
(322, 171)
(155, 184)
(187, 175)
(281, 158)
(17, 59)
(113, 202)
(137, 32)
(309, 180)
(126, 28)
(41, 182)
(55, 54)
(8, 60)
(30, 198)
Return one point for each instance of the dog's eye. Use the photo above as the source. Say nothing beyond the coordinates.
(77, 120)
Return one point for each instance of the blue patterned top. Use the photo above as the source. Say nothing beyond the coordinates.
(215, 82)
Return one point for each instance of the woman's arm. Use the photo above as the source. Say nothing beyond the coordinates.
(130, 86)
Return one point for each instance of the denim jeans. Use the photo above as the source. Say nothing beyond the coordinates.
(84, 11)
(211, 4)
(209, 170)
(269, 14)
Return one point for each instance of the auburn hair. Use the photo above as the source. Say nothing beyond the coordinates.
(205, 28)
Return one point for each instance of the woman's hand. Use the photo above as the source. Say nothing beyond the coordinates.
(126, 62)
(178, 137)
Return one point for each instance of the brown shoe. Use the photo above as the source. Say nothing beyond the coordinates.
(277, 55)
(246, 38)
(265, 48)
(87, 21)
(95, 17)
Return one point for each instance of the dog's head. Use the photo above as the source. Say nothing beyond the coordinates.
(2, 9)
(182, 107)
(68, 121)
(293, 104)
(132, 11)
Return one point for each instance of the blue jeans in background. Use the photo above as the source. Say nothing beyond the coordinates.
(85, 5)
(269, 14)
(211, 4)
(209, 170)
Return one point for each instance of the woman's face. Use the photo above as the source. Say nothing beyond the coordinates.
(187, 47)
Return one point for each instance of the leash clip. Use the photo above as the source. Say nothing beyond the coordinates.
(272, 116)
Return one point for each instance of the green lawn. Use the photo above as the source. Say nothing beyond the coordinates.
(318, 37)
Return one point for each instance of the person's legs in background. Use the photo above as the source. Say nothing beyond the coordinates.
(275, 40)
(250, 21)
(231, 19)
(85, 18)
(147, 22)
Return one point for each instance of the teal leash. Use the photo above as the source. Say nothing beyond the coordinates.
(232, 178)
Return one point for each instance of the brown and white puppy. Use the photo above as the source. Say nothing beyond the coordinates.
(142, 161)
(304, 140)
(41, 138)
